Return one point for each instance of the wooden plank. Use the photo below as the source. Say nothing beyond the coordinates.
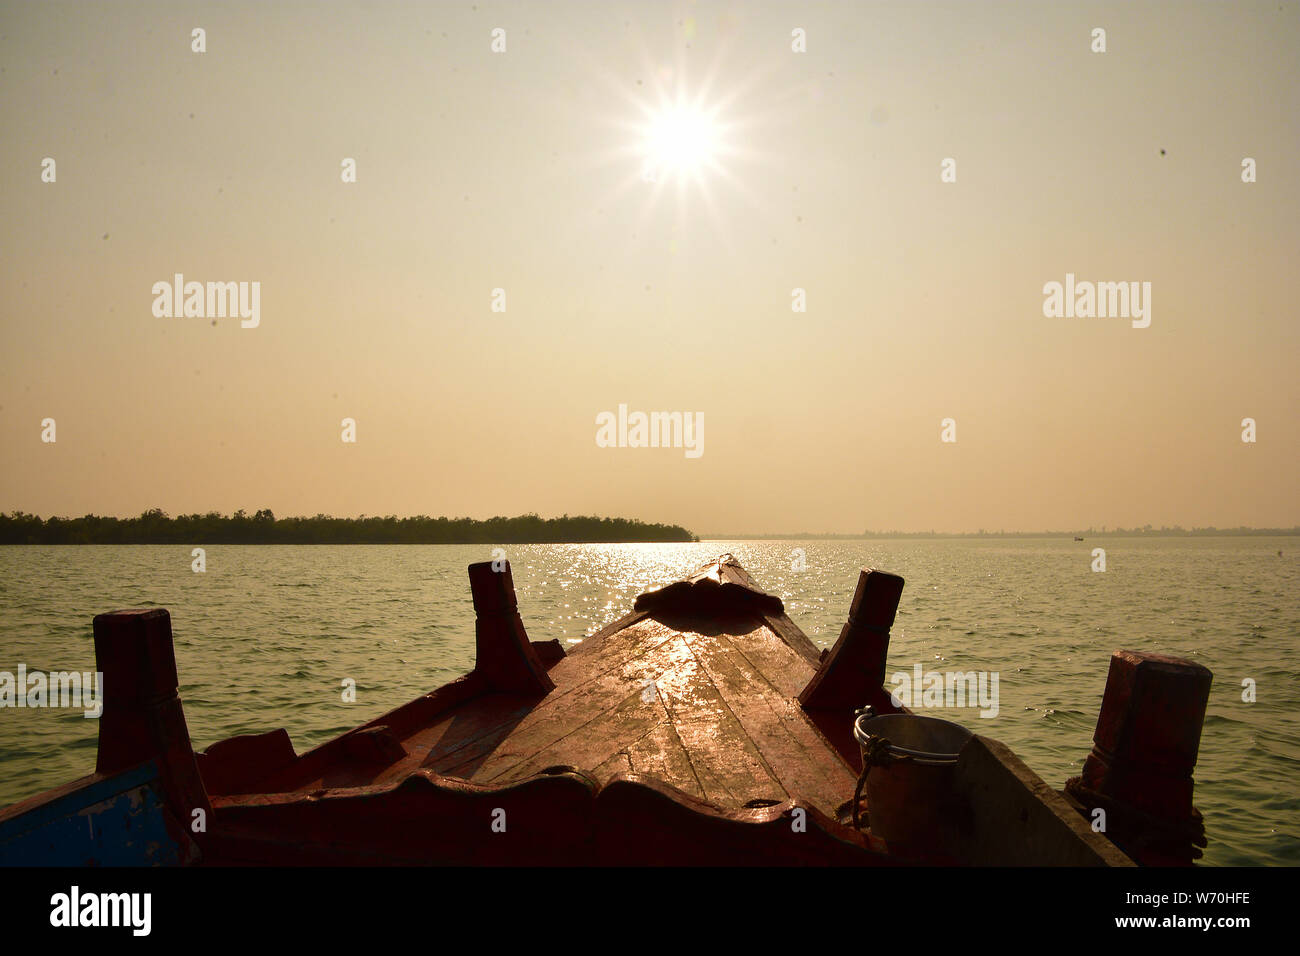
(577, 677)
(727, 764)
(310, 769)
(618, 763)
(459, 755)
(559, 717)
(790, 632)
(794, 749)
(467, 724)
(661, 755)
(591, 745)
(459, 736)
(587, 644)
(783, 667)
(607, 650)
(736, 575)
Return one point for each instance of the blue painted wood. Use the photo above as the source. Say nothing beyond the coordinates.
(118, 821)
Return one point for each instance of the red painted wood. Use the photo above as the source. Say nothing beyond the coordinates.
(241, 764)
(504, 656)
(640, 821)
(143, 718)
(854, 671)
(1144, 751)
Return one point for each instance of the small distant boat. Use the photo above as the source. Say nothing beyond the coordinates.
(701, 728)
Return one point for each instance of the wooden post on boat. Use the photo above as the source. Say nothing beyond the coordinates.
(1144, 750)
(504, 657)
(143, 719)
(853, 673)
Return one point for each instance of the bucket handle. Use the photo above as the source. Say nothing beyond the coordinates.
(867, 740)
(876, 752)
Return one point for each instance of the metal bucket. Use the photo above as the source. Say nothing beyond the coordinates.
(911, 801)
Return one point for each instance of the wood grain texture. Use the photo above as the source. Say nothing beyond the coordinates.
(702, 700)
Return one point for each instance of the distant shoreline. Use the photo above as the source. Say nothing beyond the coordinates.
(262, 527)
(1119, 533)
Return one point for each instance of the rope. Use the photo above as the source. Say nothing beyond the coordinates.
(875, 754)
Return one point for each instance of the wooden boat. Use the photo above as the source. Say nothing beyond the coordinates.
(701, 728)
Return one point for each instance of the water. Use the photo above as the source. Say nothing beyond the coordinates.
(265, 637)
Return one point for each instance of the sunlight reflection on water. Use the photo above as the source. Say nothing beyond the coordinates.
(266, 635)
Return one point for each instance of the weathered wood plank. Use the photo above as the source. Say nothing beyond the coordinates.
(588, 644)
(660, 754)
(784, 668)
(797, 753)
(573, 677)
(576, 712)
(459, 756)
(618, 763)
(470, 733)
(588, 746)
(794, 637)
(728, 765)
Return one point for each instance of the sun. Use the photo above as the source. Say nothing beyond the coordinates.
(680, 141)
(676, 140)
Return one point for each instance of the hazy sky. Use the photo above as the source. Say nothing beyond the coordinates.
(521, 170)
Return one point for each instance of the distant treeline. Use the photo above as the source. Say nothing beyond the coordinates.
(262, 527)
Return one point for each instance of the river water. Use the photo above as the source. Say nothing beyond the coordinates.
(267, 634)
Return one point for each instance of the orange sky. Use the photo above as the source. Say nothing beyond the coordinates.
(520, 170)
